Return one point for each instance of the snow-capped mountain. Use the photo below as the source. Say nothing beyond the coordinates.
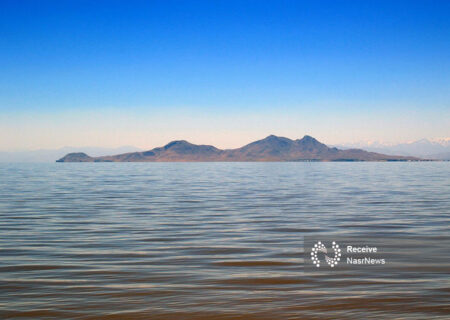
(438, 148)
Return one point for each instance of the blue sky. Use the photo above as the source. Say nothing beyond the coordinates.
(111, 73)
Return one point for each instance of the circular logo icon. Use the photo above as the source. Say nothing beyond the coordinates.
(320, 247)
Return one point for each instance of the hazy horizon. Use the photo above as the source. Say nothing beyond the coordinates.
(444, 141)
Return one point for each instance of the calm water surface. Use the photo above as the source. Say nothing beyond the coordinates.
(218, 240)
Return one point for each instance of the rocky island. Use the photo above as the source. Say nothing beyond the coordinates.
(272, 148)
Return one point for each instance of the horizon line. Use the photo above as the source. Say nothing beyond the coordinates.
(354, 144)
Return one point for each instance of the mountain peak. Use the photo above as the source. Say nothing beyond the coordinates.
(273, 138)
(176, 143)
(308, 138)
(310, 144)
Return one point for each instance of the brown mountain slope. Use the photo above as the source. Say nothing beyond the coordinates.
(272, 148)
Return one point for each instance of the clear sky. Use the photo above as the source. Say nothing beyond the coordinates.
(142, 73)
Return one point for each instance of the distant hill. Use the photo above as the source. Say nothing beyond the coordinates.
(424, 148)
(272, 148)
(49, 155)
(440, 156)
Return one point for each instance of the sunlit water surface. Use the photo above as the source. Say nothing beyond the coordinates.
(217, 240)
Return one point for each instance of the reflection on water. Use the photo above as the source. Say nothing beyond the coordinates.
(216, 240)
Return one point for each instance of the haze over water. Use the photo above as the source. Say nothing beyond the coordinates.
(220, 240)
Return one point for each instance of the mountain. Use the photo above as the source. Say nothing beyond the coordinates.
(440, 156)
(272, 148)
(50, 155)
(424, 148)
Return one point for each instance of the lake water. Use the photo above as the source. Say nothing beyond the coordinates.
(221, 240)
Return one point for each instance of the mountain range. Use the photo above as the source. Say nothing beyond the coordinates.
(424, 148)
(271, 148)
